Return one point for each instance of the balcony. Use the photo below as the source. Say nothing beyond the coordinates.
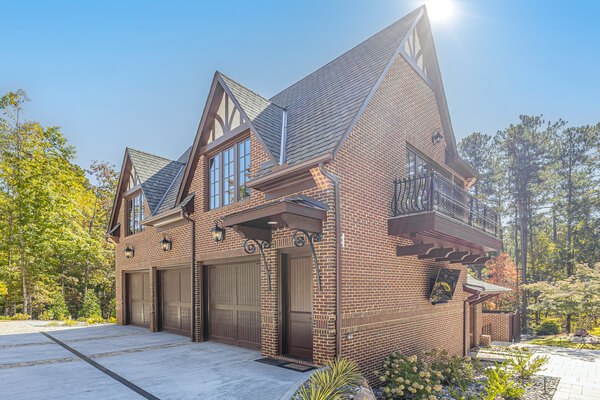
(433, 212)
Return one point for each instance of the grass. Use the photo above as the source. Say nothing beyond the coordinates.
(561, 341)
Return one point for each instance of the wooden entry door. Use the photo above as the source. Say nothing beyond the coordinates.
(138, 303)
(176, 300)
(297, 277)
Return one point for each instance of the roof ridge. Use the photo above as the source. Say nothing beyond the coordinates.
(250, 90)
(416, 11)
(154, 155)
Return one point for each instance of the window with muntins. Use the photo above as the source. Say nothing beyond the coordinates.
(229, 171)
(136, 214)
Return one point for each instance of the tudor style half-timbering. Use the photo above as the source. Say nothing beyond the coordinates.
(312, 224)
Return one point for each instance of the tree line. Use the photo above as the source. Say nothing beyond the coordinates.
(544, 179)
(53, 214)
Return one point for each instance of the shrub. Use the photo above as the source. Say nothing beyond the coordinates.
(112, 320)
(91, 307)
(19, 316)
(333, 382)
(523, 362)
(59, 309)
(409, 378)
(95, 320)
(81, 319)
(452, 370)
(500, 384)
(69, 322)
(548, 327)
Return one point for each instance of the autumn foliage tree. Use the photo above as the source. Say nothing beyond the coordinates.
(502, 271)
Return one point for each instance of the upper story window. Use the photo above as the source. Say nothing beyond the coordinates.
(229, 170)
(135, 208)
(416, 165)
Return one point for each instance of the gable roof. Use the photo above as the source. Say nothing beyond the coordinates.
(323, 107)
(265, 116)
(158, 176)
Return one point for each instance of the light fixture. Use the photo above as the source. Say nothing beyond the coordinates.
(437, 137)
(218, 232)
(129, 253)
(166, 244)
(272, 222)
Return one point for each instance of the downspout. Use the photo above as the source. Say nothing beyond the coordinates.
(338, 260)
(193, 246)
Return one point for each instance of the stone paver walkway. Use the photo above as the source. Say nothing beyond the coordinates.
(578, 370)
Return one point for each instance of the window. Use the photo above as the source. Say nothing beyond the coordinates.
(229, 171)
(416, 165)
(136, 214)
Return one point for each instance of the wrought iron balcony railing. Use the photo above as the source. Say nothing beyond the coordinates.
(434, 192)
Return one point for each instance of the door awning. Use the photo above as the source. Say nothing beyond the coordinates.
(482, 291)
(295, 212)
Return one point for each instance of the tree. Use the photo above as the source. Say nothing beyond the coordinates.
(578, 294)
(503, 272)
(91, 307)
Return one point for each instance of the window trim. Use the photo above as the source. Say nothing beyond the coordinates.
(220, 151)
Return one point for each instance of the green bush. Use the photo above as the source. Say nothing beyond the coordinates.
(453, 370)
(523, 362)
(500, 383)
(95, 320)
(69, 322)
(548, 327)
(19, 316)
(408, 377)
(333, 382)
(91, 306)
(112, 320)
(59, 309)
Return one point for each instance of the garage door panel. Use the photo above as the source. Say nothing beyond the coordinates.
(138, 305)
(234, 304)
(175, 300)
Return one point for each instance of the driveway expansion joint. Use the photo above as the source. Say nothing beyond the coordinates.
(107, 371)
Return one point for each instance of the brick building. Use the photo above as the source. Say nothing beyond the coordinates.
(336, 203)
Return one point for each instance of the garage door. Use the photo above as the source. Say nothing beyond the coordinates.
(138, 302)
(234, 304)
(176, 300)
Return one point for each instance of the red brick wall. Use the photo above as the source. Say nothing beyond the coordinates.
(385, 303)
(385, 298)
(500, 323)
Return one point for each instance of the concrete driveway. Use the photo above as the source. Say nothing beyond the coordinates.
(126, 362)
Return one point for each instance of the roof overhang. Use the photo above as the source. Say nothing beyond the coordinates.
(461, 166)
(435, 227)
(297, 212)
(113, 235)
(482, 291)
(171, 218)
(286, 179)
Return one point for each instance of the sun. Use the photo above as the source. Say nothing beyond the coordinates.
(440, 10)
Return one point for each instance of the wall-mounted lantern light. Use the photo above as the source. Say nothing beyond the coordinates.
(129, 251)
(218, 232)
(166, 244)
(437, 137)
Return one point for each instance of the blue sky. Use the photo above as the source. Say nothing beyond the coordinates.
(113, 74)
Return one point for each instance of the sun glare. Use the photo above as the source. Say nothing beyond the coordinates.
(440, 10)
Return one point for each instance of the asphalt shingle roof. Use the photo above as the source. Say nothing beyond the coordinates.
(156, 175)
(265, 117)
(322, 105)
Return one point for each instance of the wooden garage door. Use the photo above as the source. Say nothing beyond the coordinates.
(138, 302)
(176, 300)
(234, 304)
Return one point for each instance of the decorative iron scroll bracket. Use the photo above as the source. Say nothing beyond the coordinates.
(250, 248)
(300, 239)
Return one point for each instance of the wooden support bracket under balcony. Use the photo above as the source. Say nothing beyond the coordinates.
(414, 250)
(437, 253)
(454, 256)
(468, 259)
(480, 260)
